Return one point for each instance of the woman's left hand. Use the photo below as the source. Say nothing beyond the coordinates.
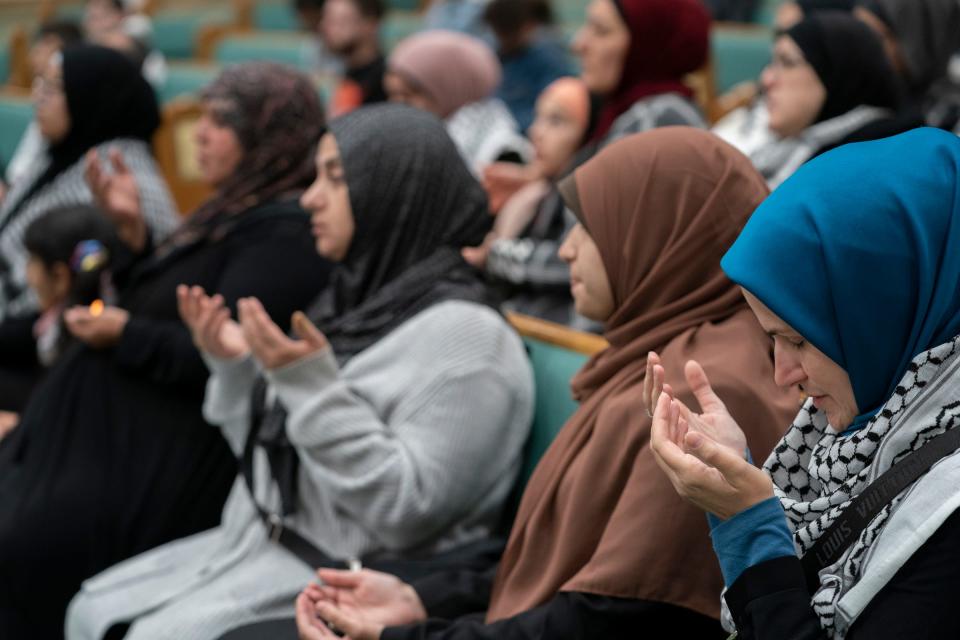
(711, 475)
(8, 422)
(270, 346)
(99, 331)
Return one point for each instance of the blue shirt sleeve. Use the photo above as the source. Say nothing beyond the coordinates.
(754, 535)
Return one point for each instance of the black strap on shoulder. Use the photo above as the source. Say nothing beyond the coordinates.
(863, 509)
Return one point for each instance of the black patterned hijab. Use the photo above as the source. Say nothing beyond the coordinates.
(277, 116)
(107, 99)
(415, 205)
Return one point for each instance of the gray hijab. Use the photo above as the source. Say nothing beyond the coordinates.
(928, 31)
(415, 205)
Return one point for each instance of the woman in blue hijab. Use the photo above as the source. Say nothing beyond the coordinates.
(853, 268)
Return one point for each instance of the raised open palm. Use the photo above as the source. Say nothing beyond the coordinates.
(117, 194)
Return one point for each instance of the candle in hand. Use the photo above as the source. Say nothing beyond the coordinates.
(96, 308)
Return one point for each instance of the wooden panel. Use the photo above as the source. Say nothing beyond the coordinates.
(557, 334)
(176, 156)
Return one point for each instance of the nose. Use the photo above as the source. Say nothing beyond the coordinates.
(767, 78)
(567, 251)
(787, 369)
(313, 199)
(576, 45)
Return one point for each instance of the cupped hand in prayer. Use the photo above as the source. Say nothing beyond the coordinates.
(210, 325)
(99, 329)
(269, 344)
(359, 604)
(703, 454)
(8, 422)
(117, 194)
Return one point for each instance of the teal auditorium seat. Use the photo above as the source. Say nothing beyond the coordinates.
(553, 368)
(275, 16)
(398, 25)
(186, 79)
(291, 49)
(4, 65)
(15, 115)
(175, 31)
(739, 54)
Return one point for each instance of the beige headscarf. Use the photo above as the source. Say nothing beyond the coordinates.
(598, 515)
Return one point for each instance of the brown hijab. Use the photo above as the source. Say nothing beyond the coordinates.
(598, 515)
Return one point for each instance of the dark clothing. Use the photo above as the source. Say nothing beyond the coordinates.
(732, 10)
(462, 597)
(112, 456)
(369, 78)
(19, 369)
(770, 601)
(528, 72)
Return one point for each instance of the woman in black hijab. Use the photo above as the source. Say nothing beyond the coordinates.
(112, 456)
(88, 98)
(829, 84)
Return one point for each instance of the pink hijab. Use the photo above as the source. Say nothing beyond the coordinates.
(452, 68)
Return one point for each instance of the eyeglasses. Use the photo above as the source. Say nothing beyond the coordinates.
(44, 88)
(781, 62)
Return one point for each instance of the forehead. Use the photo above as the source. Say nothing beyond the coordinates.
(328, 149)
(771, 322)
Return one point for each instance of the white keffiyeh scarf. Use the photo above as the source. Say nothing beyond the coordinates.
(817, 472)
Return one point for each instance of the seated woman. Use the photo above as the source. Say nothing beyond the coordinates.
(69, 252)
(852, 267)
(829, 84)
(89, 98)
(601, 548)
(395, 429)
(919, 36)
(520, 254)
(454, 76)
(634, 55)
(112, 456)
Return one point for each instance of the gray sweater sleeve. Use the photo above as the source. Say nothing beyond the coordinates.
(227, 399)
(460, 403)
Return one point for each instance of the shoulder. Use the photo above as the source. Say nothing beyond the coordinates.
(460, 334)
(658, 111)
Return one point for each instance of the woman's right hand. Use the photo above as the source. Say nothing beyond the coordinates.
(8, 422)
(210, 325)
(358, 603)
(117, 194)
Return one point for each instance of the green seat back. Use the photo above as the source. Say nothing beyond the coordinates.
(186, 80)
(275, 16)
(553, 368)
(175, 31)
(398, 25)
(739, 55)
(15, 116)
(290, 49)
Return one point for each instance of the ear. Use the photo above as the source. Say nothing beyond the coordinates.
(61, 278)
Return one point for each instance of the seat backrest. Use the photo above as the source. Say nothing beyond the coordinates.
(186, 80)
(176, 154)
(739, 53)
(556, 354)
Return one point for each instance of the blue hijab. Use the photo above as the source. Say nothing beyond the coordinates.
(859, 252)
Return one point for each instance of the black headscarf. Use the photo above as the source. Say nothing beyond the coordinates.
(415, 206)
(810, 7)
(848, 58)
(276, 114)
(107, 99)
(928, 32)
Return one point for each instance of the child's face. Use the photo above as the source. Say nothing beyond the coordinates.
(51, 284)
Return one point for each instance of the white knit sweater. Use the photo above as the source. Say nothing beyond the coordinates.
(414, 444)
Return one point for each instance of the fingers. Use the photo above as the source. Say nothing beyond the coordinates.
(700, 385)
(118, 163)
(307, 331)
(653, 382)
(345, 622)
(261, 332)
(309, 626)
(341, 579)
(713, 454)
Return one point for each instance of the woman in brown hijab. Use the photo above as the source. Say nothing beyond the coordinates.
(601, 546)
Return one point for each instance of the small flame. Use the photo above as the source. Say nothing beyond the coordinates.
(96, 308)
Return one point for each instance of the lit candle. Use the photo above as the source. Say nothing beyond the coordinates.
(96, 308)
